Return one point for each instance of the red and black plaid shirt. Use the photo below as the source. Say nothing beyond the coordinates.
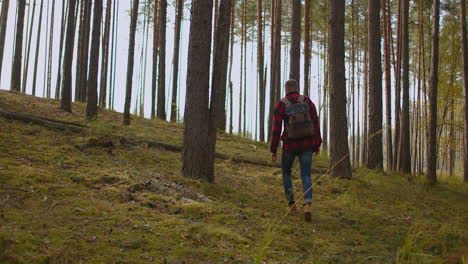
(305, 144)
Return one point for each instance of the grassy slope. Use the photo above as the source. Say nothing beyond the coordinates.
(130, 204)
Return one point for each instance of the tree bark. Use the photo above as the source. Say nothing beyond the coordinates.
(295, 51)
(161, 106)
(91, 107)
(3, 29)
(388, 81)
(405, 140)
(51, 41)
(465, 87)
(28, 52)
(83, 52)
(130, 65)
(218, 85)
(38, 42)
(432, 144)
(339, 150)
(219, 76)
(260, 69)
(307, 47)
(16, 71)
(175, 74)
(155, 58)
(397, 73)
(105, 56)
(375, 150)
(196, 116)
(59, 65)
(66, 103)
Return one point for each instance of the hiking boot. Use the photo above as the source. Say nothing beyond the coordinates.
(307, 212)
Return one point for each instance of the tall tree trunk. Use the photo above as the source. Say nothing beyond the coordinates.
(219, 76)
(260, 68)
(452, 139)
(465, 87)
(307, 47)
(83, 52)
(366, 96)
(388, 81)
(161, 108)
(397, 68)
(3, 29)
(155, 58)
(115, 44)
(196, 116)
(295, 51)
(91, 107)
(339, 150)
(231, 105)
(105, 56)
(405, 141)
(353, 86)
(375, 150)
(51, 42)
(28, 51)
(16, 71)
(66, 103)
(175, 74)
(38, 42)
(130, 65)
(244, 69)
(241, 68)
(218, 85)
(326, 97)
(432, 144)
(62, 37)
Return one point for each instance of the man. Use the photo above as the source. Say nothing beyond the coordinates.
(301, 137)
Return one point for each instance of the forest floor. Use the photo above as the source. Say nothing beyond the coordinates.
(69, 197)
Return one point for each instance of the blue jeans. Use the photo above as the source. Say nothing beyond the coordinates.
(287, 161)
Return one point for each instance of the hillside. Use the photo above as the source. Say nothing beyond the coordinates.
(69, 197)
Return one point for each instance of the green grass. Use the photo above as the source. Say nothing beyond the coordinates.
(66, 199)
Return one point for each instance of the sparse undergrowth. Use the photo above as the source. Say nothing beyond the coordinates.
(84, 198)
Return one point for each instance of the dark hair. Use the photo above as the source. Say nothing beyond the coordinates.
(291, 85)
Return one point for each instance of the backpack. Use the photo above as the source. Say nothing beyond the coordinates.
(299, 124)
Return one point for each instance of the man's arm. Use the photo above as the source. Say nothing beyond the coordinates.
(276, 128)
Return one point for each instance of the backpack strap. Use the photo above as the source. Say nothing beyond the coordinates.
(286, 101)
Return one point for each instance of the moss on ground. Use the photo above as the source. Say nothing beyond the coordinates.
(75, 198)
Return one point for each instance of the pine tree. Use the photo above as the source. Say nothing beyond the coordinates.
(130, 65)
(375, 150)
(3, 29)
(91, 107)
(465, 86)
(16, 71)
(339, 150)
(38, 42)
(432, 146)
(66, 103)
(105, 56)
(405, 142)
(196, 116)
(295, 51)
(161, 106)
(175, 74)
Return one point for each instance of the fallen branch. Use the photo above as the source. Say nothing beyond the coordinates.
(49, 123)
(75, 127)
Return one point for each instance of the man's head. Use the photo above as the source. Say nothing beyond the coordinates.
(291, 86)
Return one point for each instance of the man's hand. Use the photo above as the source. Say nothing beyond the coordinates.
(273, 157)
(317, 153)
